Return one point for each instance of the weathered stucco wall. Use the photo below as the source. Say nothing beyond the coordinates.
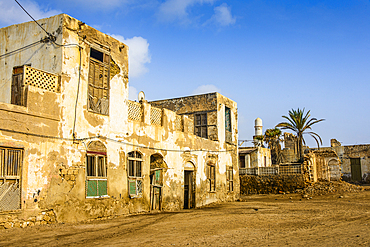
(28, 36)
(55, 142)
(346, 153)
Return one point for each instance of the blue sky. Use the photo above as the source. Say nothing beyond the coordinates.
(268, 56)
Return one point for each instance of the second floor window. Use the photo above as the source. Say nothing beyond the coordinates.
(200, 123)
(98, 89)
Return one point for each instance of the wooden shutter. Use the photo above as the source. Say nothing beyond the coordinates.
(132, 187)
(91, 188)
(102, 188)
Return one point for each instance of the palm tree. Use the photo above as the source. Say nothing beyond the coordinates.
(273, 138)
(301, 123)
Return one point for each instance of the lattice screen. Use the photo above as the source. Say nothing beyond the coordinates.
(155, 116)
(179, 124)
(41, 79)
(191, 126)
(134, 111)
(10, 197)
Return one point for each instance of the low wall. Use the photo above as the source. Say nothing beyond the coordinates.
(273, 184)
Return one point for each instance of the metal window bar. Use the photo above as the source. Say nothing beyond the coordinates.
(10, 170)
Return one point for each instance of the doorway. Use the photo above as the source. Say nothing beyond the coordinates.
(356, 173)
(188, 190)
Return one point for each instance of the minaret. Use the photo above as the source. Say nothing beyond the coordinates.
(257, 132)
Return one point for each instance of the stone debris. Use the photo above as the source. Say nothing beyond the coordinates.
(323, 188)
(44, 218)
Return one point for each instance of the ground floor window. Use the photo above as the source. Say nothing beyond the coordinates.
(96, 171)
(230, 179)
(10, 173)
(135, 180)
(211, 177)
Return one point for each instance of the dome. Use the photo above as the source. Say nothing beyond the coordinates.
(258, 122)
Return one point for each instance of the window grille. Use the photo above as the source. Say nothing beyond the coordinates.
(26, 75)
(41, 79)
(179, 124)
(134, 111)
(10, 171)
(155, 116)
(135, 181)
(191, 126)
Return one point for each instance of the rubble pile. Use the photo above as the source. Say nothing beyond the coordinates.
(323, 188)
(273, 184)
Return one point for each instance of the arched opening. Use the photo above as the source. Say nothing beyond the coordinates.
(96, 170)
(157, 168)
(189, 185)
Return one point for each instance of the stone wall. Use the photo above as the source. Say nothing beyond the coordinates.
(250, 184)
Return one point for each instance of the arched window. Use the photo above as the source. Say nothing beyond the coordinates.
(134, 172)
(96, 170)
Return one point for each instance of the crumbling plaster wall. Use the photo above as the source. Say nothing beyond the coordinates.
(166, 137)
(45, 56)
(53, 173)
(345, 154)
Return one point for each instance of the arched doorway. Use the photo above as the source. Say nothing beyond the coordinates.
(189, 185)
(157, 167)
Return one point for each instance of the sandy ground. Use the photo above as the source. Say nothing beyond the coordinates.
(259, 220)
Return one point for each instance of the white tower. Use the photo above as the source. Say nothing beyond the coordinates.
(257, 132)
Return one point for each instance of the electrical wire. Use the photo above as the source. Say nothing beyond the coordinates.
(20, 49)
(78, 91)
(113, 140)
(49, 34)
(52, 38)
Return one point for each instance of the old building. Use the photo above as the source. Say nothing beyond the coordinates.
(354, 161)
(258, 155)
(73, 147)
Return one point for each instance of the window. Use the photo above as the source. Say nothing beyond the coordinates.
(135, 180)
(201, 125)
(19, 90)
(241, 161)
(96, 171)
(10, 173)
(10, 164)
(228, 129)
(211, 177)
(98, 89)
(230, 179)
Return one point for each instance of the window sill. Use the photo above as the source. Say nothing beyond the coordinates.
(136, 197)
(97, 197)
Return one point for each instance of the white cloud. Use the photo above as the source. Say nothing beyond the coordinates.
(206, 89)
(11, 13)
(223, 16)
(178, 9)
(138, 54)
(132, 93)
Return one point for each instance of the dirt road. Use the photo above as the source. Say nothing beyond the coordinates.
(259, 220)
